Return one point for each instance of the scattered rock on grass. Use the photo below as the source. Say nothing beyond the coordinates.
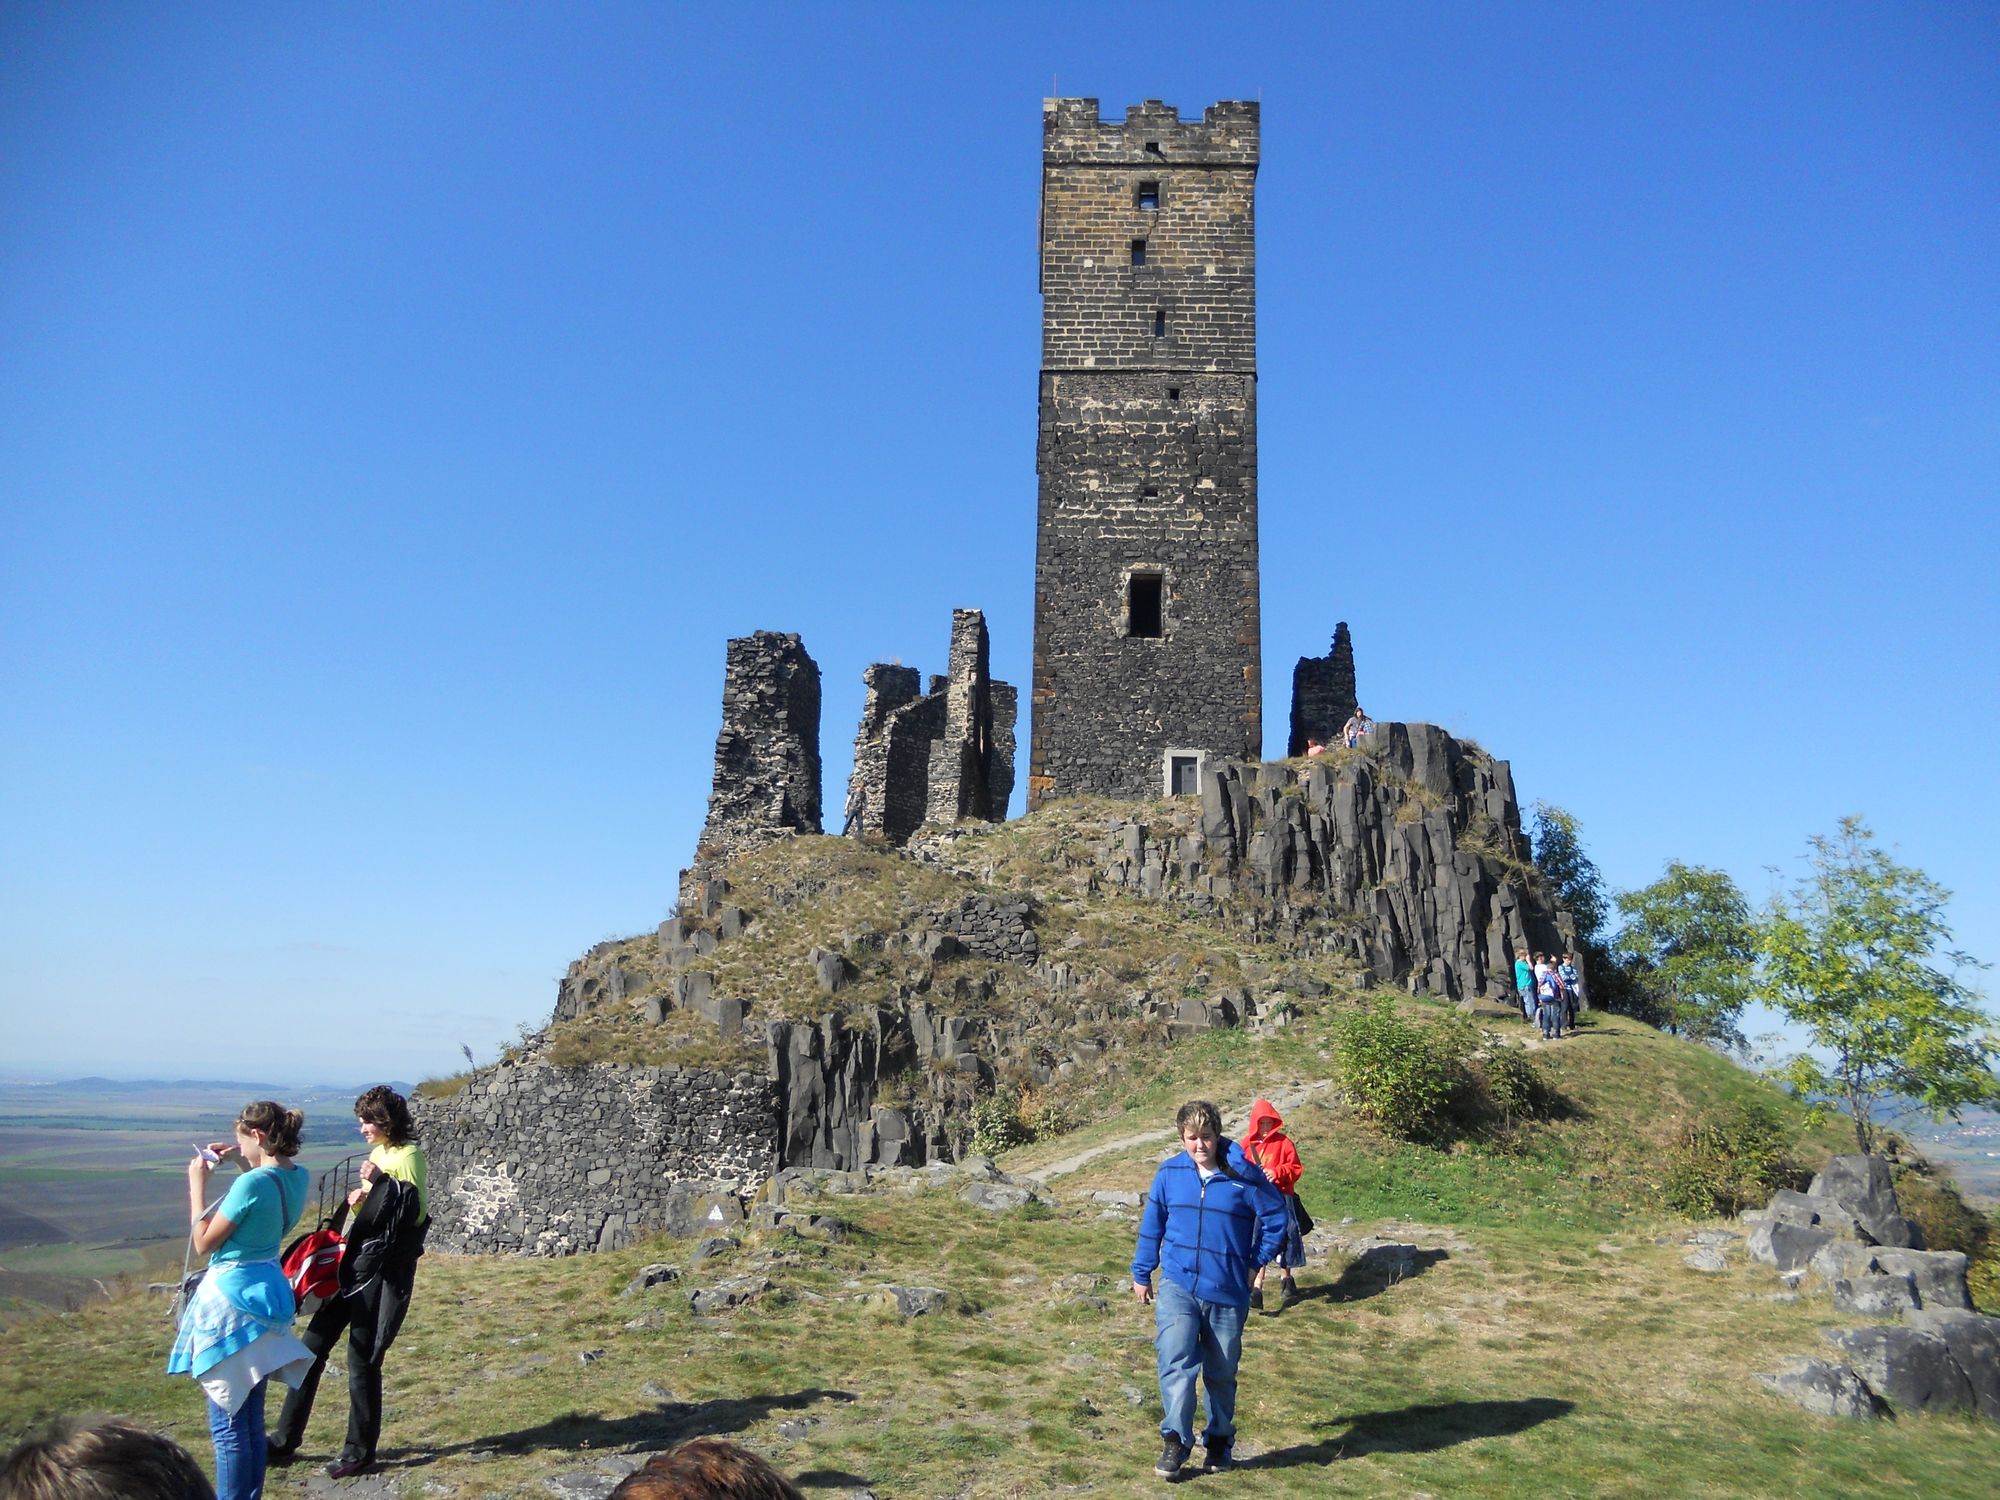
(1822, 1387)
(707, 1301)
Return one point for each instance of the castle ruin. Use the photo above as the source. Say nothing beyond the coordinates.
(1147, 658)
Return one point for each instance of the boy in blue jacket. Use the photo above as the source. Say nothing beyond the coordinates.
(1211, 1219)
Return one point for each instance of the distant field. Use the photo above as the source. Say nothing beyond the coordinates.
(93, 1177)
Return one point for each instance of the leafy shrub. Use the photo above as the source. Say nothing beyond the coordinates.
(1727, 1160)
(1403, 1075)
(1048, 1113)
(1517, 1086)
(997, 1125)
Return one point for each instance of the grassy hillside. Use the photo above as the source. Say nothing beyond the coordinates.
(1553, 1343)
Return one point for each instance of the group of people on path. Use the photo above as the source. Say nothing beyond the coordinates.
(236, 1332)
(1218, 1215)
(1551, 994)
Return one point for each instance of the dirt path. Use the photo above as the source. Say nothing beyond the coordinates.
(1234, 1122)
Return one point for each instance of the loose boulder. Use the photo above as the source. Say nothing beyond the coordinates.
(1822, 1387)
(1911, 1369)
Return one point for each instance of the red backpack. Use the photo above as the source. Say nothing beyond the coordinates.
(311, 1262)
(312, 1266)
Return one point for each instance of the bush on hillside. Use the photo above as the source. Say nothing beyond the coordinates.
(1729, 1159)
(1408, 1077)
(997, 1125)
(1516, 1085)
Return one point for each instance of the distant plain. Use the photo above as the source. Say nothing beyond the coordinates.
(93, 1175)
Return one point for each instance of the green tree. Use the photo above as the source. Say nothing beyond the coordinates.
(1687, 943)
(1848, 956)
(1570, 873)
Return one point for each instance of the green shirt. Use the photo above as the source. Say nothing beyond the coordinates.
(407, 1165)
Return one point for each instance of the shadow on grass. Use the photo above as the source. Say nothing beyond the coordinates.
(1372, 1272)
(1417, 1429)
(669, 1423)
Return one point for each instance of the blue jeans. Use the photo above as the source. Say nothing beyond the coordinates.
(1193, 1335)
(239, 1448)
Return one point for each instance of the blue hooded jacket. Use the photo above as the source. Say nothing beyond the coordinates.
(1210, 1238)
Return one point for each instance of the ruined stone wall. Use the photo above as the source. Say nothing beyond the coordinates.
(1323, 695)
(1146, 454)
(534, 1159)
(942, 757)
(767, 769)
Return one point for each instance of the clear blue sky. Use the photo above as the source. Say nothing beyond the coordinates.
(401, 405)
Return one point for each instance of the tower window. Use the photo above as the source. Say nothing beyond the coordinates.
(1183, 776)
(1138, 252)
(1143, 602)
(1159, 322)
(1173, 393)
(1154, 147)
(1149, 195)
(1152, 492)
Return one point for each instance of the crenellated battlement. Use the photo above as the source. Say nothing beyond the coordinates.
(1151, 133)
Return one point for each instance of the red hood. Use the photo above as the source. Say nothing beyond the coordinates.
(1265, 1120)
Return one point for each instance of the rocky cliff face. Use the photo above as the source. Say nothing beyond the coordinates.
(1408, 856)
(889, 991)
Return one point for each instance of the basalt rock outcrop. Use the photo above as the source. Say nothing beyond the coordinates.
(1408, 856)
(1847, 1235)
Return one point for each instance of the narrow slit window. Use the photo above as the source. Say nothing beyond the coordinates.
(1138, 252)
(1159, 322)
(1149, 195)
(1143, 605)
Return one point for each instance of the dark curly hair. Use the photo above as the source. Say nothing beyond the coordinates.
(389, 1112)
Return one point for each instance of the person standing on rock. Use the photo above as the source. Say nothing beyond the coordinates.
(378, 1272)
(1266, 1144)
(1211, 1219)
(1524, 985)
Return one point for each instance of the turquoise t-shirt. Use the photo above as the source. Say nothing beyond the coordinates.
(262, 1204)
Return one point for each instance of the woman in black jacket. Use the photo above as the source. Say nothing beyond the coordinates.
(378, 1270)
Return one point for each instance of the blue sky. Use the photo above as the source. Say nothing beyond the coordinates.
(400, 406)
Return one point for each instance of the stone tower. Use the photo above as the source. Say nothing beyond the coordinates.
(1147, 657)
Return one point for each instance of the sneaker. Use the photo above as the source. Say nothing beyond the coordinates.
(1218, 1453)
(1291, 1290)
(279, 1457)
(1173, 1453)
(1257, 1299)
(347, 1468)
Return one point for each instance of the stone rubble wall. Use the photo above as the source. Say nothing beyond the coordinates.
(1369, 850)
(533, 1159)
(767, 768)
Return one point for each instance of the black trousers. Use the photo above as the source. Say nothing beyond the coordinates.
(370, 1318)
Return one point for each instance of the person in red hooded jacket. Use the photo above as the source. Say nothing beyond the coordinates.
(1270, 1148)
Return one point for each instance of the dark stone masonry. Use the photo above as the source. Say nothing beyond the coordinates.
(941, 757)
(1323, 697)
(539, 1160)
(1147, 658)
(766, 754)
